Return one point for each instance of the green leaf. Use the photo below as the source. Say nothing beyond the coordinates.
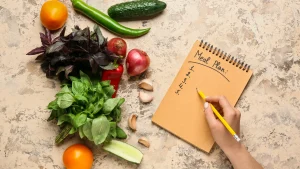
(87, 129)
(74, 79)
(73, 130)
(55, 114)
(85, 79)
(109, 91)
(65, 100)
(98, 106)
(53, 105)
(80, 131)
(79, 120)
(99, 35)
(90, 109)
(116, 114)
(64, 90)
(112, 130)
(110, 66)
(109, 105)
(122, 100)
(100, 129)
(81, 98)
(105, 83)
(120, 133)
(65, 118)
(77, 88)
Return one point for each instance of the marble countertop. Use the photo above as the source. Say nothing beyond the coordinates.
(264, 33)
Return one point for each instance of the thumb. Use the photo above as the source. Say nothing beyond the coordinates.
(209, 114)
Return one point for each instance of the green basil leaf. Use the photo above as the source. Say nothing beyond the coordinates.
(53, 105)
(55, 114)
(81, 98)
(77, 88)
(90, 109)
(74, 79)
(79, 120)
(73, 130)
(109, 91)
(105, 83)
(100, 129)
(65, 118)
(112, 130)
(109, 118)
(120, 133)
(116, 114)
(65, 100)
(87, 129)
(122, 100)
(80, 131)
(64, 90)
(85, 79)
(110, 66)
(98, 106)
(109, 105)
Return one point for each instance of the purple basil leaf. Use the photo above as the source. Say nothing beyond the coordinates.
(60, 69)
(100, 59)
(93, 65)
(55, 40)
(44, 39)
(58, 59)
(62, 33)
(80, 38)
(40, 57)
(48, 34)
(77, 27)
(68, 70)
(56, 47)
(45, 66)
(36, 51)
(99, 35)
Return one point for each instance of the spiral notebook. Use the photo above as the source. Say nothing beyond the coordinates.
(212, 71)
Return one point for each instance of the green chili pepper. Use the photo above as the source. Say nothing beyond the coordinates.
(106, 21)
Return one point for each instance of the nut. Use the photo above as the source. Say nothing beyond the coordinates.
(146, 84)
(132, 121)
(144, 142)
(145, 98)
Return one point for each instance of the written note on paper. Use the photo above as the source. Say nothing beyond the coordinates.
(201, 60)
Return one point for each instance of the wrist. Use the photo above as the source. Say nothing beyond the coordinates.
(233, 150)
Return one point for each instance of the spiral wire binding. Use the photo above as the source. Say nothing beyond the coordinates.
(221, 54)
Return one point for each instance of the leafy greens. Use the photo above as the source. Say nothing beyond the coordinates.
(82, 49)
(87, 108)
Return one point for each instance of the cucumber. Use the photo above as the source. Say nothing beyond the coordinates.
(136, 9)
(124, 150)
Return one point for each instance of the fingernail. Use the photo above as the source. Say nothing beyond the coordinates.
(205, 105)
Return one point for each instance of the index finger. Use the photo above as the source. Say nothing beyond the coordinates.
(219, 99)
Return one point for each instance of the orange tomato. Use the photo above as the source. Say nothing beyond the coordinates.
(53, 14)
(78, 156)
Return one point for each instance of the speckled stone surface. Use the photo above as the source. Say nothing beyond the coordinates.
(264, 33)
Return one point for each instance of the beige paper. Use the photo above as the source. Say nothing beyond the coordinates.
(211, 71)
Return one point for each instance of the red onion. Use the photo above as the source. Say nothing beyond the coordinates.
(137, 62)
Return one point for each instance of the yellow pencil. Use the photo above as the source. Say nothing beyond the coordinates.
(224, 122)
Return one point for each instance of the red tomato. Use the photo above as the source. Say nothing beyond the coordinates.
(118, 46)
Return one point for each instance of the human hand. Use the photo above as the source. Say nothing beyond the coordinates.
(221, 135)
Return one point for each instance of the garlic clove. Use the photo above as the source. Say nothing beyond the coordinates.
(146, 84)
(144, 141)
(132, 121)
(145, 98)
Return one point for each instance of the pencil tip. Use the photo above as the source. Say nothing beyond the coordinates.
(197, 89)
